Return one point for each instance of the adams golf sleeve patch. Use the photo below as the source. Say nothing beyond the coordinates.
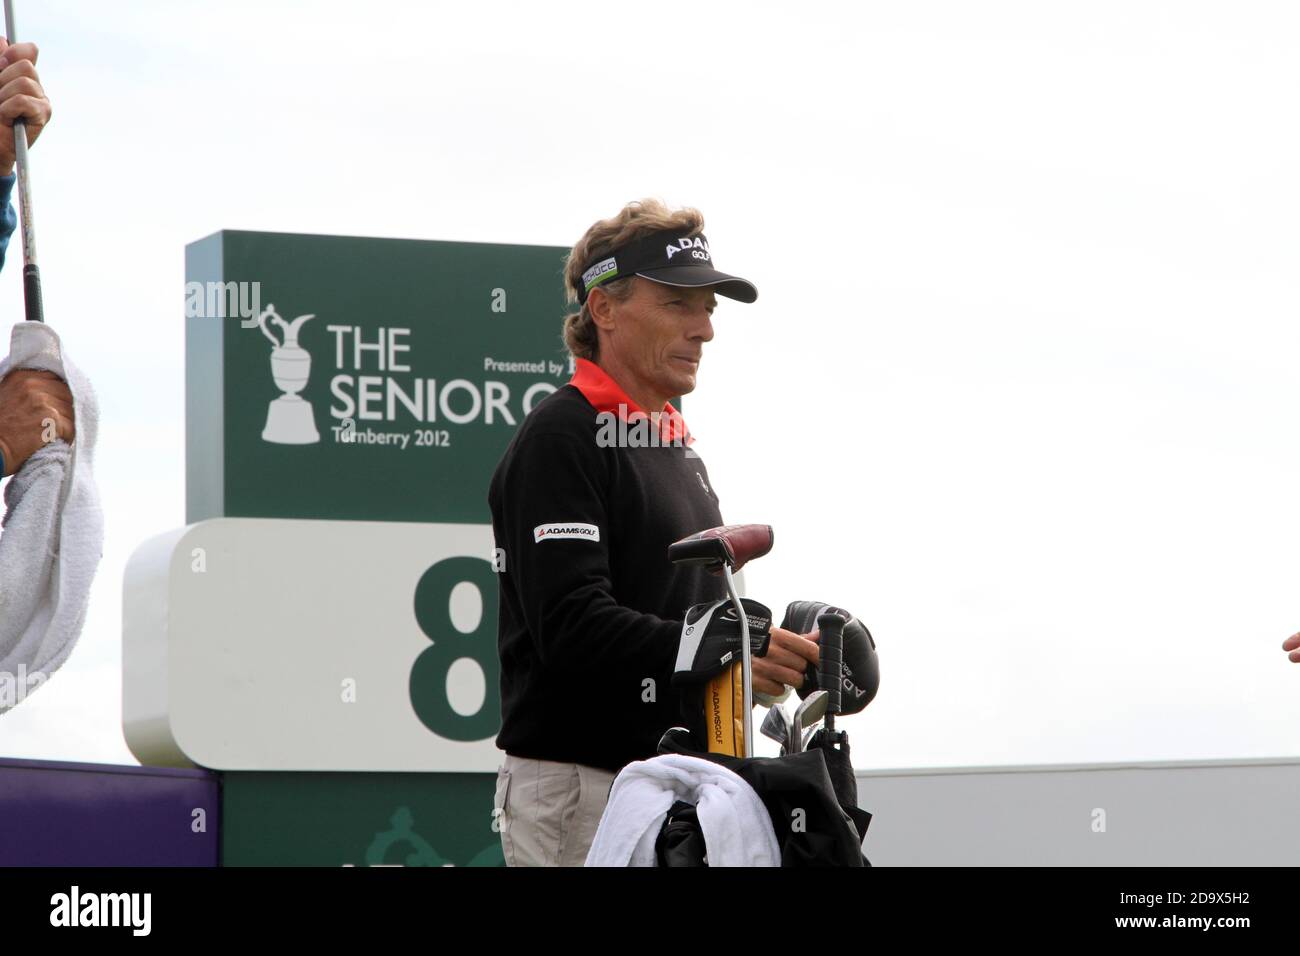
(566, 529)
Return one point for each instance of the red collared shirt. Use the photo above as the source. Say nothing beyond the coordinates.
(606, 395)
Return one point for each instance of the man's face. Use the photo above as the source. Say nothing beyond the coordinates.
(659, 334)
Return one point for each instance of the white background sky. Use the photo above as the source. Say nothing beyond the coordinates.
(1020, 387)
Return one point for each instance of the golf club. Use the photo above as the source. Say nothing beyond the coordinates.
(724, 550)
(806, 714)
(747, 678)
(776, 725)
(859, 665)
(829, 669)
(31, 274)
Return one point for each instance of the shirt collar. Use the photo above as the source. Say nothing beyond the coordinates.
(606, 395)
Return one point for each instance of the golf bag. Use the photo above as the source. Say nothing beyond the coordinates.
(811, 798)
(809, 792)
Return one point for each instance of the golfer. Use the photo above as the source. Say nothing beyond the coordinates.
(600, 478)
(35, 407)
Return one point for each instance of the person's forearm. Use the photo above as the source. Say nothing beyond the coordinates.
(588, 632)
(8, 217)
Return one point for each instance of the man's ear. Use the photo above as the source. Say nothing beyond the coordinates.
(601, 307)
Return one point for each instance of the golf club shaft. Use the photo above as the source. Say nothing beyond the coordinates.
(747, 676)
(31, 272)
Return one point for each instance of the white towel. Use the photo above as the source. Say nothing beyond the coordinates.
(736, 826)
(53, 531)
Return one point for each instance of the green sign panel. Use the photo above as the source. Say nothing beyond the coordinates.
(358, 819)
(367, 379)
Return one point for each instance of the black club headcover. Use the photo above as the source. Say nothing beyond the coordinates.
(860, 671)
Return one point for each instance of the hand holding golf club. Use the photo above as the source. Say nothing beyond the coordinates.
(21, 98)
(789, 656)
(35, 408)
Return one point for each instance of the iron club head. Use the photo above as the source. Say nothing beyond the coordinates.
(808, 713)
(776, 726)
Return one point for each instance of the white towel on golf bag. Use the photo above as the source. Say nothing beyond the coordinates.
(52, 533)
(736, 826)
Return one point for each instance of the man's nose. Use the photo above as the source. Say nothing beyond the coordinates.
(703, 326)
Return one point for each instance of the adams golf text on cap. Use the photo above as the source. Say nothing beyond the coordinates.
(670, 258)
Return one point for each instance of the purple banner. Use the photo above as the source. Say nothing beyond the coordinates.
(86, 814)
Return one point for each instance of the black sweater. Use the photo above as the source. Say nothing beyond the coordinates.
(589, 619)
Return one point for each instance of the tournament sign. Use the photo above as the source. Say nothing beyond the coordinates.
(327, 618)
(362, 379)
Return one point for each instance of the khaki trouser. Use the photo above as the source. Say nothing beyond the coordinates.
(548, 812)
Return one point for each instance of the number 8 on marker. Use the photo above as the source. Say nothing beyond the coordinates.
(428, 686)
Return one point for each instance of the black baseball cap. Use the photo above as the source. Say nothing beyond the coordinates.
(668, 257)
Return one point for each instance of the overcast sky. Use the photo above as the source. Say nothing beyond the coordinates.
(1020, 386)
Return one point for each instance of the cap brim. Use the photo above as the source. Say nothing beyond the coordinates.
(695, 277)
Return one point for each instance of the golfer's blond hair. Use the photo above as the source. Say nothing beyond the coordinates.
(634, 221)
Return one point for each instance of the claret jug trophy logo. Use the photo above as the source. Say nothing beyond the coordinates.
(290, 419)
